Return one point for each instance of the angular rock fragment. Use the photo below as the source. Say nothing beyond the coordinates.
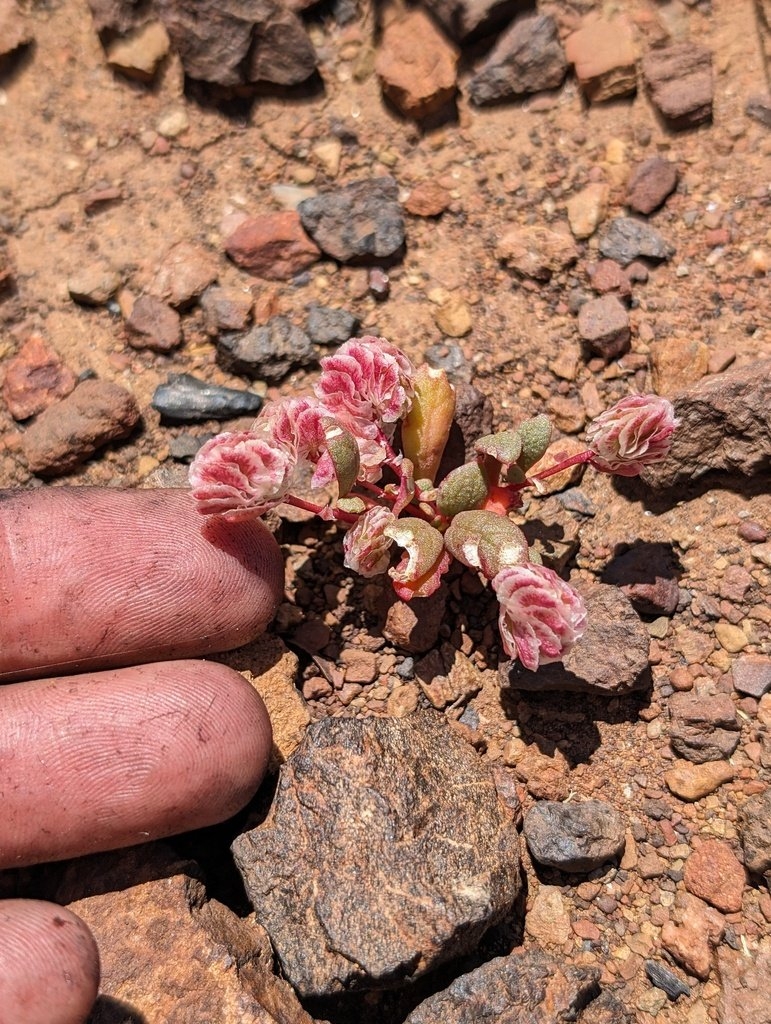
(603, 324)
(93, 285)
(427, 199)
(694, 781)
(587, 209)
(626, 239)
(703, 728)
(574, 836)
(745, 982)
(604, 57)
(153, 324)
(465, 19)
(611, 658)
(447, 676)
(384, 816)
(663, 978)
(139, 54)
(35, 378)
(525, 987)
(186, 399)
(71, 431)
(650, 183)
(327, 326)
(416, 65)
(267, 352)
(677, 363)
(681, 83)
(361, 221)
(755, 832)
(233, 43)
(536, 251)
(185, 272)
(725, 424)
(715, 874)
(527, 58)
(752, 674)
(273, 246)
(693, 934)
(226, 309)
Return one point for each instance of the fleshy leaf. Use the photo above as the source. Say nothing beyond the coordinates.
(486, 541)
(426, 427)
(535, 435)
(353, 505)
(367, 544)
(425, 559)
(461, 490)
(344, 452)
(505, 446)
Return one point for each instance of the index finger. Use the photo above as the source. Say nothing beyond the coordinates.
(95, 577)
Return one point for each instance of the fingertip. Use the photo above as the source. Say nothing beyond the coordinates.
(49, 964)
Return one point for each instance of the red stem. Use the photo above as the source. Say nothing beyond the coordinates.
(309, 506)
(574, 460)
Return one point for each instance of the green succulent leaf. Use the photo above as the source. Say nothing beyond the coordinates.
(505, 446)
(344, 453)
(463, 489)
(535, 435)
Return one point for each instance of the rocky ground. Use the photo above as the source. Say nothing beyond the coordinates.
(561, 206)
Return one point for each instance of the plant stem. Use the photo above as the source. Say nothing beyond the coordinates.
(574, 460)
(320, 510)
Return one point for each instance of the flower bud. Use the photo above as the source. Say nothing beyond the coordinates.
(426, 427)
(366, 545)
(635, 432)
(241, 473)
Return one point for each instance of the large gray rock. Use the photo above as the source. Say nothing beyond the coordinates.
(464, 19)
(725, 424)
(527, 58)
(268, 352)
(369, 870)
(360, 221)
(611, 658)
(626, 239)
(526, 987)
(573, 836)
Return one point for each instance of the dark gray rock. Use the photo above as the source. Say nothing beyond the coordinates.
(235, 42)
(526, 987)
(650, 183)
(755, 832)
(447, 356)
(610, 659)
(327, 326)
(369, 870)
(361, 221)
(465, 19)
(626, 239)
(573, 836)
(527, 58)
(666, 980)
(186, 399)
(603, 324)
(759, 107)
(703, 728)
(269, 352)
(725, 424)
(681, 83)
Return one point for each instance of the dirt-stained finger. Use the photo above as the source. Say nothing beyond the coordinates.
(95, 577)
(49, 964)
(110, 759)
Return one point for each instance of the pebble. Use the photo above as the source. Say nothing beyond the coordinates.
(428, 199)
(225, 309)
(527, 58)
(71, 431)
(731, 638)
(751, 674)
(755, 832)
(139, 53)
(186, 399)
(676, 363)
(715, 874)
(587, 209)
(650, 183)
(185, 272)
(703, 728)
(535, 251)
(93, 285)
(607, 276)
(454, 318)
(173, 123)
(574, 836)
(267, 352)
(273, 246)
(548, 921)
(153, 324)
(35, 378)
(361, 220)
(681, 83)
(603, 324)
(604, 56)
(416, 64)
(625, 239)
(694, 781)
(691, 940)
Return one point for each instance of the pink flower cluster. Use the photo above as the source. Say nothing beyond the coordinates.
(345, 433)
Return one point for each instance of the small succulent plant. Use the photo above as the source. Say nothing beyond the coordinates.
(347, 434)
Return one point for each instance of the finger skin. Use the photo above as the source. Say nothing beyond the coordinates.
(94, 577)
(49, 964)
(110, 759)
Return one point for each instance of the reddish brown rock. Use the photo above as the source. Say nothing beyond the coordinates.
(226, 309)
(603, 324)
(755, 821)
(703, 728)
(650, 183)
(692, 935)
(427, 199)
(185, 272)
(446, 675)
(154, 325)
(751, 674)
(716, 875)
(69, 432)
(745, 984)
(414, 626)
(273, 246)
(536, 251)
(676, 363)
(35, 378)
(416, 65)
(680, 82)
(14, 29)
(604, 57)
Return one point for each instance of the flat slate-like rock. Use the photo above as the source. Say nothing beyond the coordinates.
(725, 424)
(268, 352)
(573, 836)
(186, 399)
(626, 239)
(525, 987)
(358, 222)
(527, 58)
(610, 659)
(369, 870)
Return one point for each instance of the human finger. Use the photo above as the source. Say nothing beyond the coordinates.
(96, 577)
(49, 964)
(105, 760)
